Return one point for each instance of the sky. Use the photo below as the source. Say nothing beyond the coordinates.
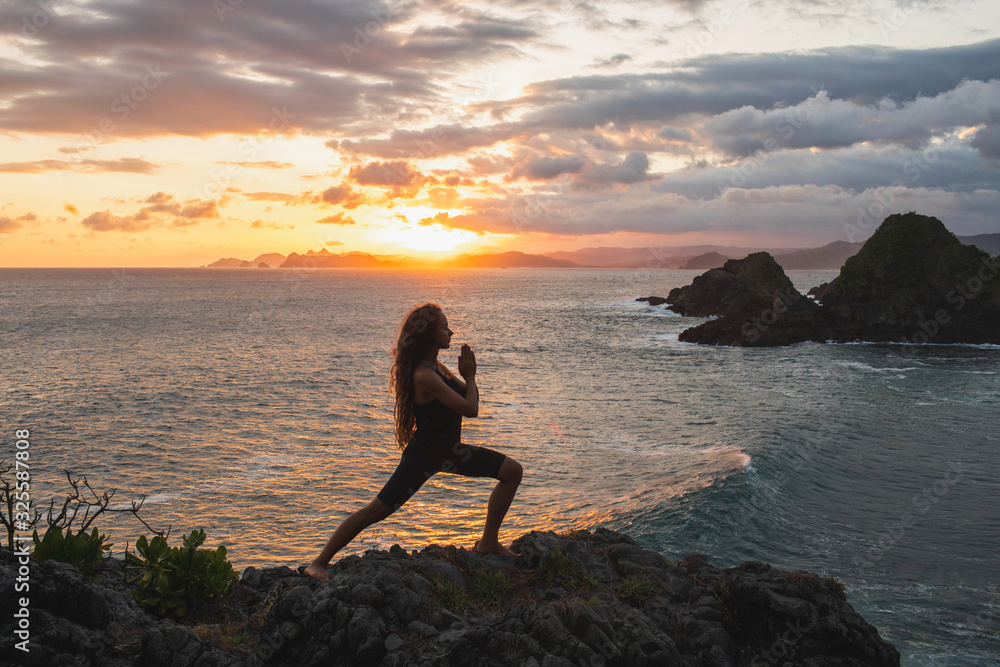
(176, 132)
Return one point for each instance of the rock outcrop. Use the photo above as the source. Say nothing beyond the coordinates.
(592, 598)
(749, 297)
(913, 281)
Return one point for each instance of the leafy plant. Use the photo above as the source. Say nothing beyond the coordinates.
(173, 579)
(81, 550)
(837, 584)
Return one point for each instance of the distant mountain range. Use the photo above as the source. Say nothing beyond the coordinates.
(829, 257)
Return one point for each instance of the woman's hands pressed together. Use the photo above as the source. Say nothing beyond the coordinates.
(467, 362)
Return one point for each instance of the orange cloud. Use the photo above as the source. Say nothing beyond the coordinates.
(9, 225)
(342, 195)
(336, 219)
(132, 165)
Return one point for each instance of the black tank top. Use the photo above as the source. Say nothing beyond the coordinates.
(438, 426)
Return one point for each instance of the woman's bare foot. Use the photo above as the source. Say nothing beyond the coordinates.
(317, 572)
(494, 548)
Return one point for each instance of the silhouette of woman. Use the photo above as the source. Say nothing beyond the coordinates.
(430, 404)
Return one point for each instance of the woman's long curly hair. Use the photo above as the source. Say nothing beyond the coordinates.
(416, 337)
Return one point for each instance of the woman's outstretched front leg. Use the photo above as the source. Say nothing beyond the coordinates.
(500, 500)
(371, 513)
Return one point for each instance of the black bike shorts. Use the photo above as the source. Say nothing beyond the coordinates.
(416, 468)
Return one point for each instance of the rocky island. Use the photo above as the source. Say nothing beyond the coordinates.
(578, 598)
(912, 282)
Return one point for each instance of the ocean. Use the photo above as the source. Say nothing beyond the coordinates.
(254, 404)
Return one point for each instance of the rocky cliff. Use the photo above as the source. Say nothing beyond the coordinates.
(582, 598)
(754, 301)
(913, 281)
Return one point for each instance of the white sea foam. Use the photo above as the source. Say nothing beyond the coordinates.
(865, 367)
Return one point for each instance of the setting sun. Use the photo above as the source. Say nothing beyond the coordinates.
(412, 229)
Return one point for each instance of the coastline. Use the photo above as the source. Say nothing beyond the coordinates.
(577, 598)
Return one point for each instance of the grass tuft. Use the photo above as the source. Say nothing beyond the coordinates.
(635, 590)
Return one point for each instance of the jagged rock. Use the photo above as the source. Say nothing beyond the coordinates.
(913, 281)
(615, 604)
(818, 292)
(694, 614)
(652, 300)
(73, 619)
(754, 300)
(169, 644)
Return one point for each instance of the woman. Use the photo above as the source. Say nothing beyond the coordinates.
(430, 404)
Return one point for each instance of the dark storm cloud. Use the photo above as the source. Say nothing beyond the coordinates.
(825, 123)
(987, 141)
(544, 168)
(857, 84)
(818, 214)
(439, 140)
(186, 67)
(633, 169)
(956, 168)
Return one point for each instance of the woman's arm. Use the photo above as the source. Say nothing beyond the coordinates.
(457, 379)
(432, 383)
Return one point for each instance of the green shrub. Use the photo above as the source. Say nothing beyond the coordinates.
(81, 550)
(171, 580)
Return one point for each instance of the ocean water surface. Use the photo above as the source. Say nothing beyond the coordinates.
(254, 404)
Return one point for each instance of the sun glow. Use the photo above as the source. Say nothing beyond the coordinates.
(408, 232)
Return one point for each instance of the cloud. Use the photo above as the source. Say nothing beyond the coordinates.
(614, 61)
(633, 169)
(127, 165)
(264, 224)
(822, 122)
(544, 168)
(954, 167)
(269, 196)
(795, 213)
(200, 209)
(104, 221)
(9, 225)
(161, 209)
(987, 141)
(342, 195)
(158, 198)
(347, 65)
(336, 219)
(267, 164)
(436, 141)
(675, 133)
(439, 219)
